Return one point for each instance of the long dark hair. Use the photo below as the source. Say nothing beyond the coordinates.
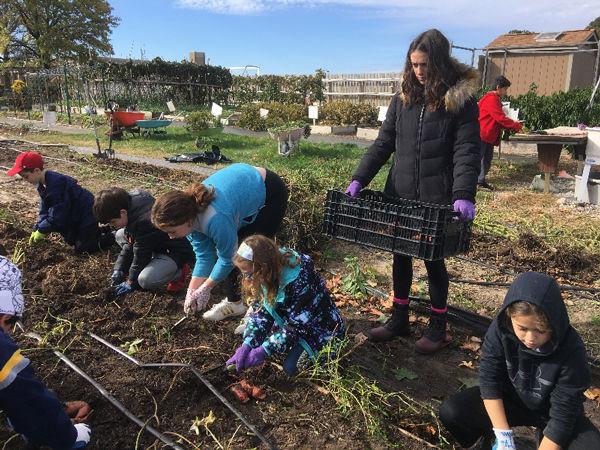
(441, 71)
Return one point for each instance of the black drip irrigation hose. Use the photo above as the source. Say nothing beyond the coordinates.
(199, 375)
(116, 403)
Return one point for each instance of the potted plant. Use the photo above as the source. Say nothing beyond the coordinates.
(288, 136)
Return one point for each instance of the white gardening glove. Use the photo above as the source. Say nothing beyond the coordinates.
(196, 299)
(84, 433)
(505, 440)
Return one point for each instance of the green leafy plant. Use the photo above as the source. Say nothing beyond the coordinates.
(292, 125)
(345, 113)
(279, 114)
(402, 373)
(355, 282)
(199, 121)
(132, 347)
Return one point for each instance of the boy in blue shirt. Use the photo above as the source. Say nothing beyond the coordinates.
(65, 207)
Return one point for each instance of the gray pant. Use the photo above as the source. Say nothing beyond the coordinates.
(487, 154)
(159, 271)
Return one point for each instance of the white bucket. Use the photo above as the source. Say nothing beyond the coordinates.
(592, 149)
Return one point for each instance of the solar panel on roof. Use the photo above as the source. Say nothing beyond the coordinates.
(548, 36)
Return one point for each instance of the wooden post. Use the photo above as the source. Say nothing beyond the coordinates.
(548, 156)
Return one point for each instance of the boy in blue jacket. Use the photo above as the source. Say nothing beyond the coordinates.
(32, 410)
(533, 372)
(65, 207)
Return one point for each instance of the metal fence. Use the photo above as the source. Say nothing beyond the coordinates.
(372, 88)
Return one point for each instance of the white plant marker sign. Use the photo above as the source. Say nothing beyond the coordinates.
(263, 112)
(171, 106)
(313, 113)
(216, 110)
(382, 113)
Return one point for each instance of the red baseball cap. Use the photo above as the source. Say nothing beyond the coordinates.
(26, 160)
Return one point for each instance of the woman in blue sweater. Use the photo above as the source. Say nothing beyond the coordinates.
(233, 203)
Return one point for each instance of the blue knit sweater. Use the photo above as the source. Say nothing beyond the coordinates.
(239, 195)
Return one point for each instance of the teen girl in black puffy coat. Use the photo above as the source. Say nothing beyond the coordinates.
(432, 130)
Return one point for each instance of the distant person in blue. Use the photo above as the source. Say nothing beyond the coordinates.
(216, 215)
(32, 410)
(65, 207)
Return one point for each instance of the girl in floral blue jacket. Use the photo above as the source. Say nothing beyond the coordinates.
(295, 313)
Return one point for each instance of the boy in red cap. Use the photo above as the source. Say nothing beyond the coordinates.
(65, 207)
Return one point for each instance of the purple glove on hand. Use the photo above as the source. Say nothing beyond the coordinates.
(239, 357)
(353, 189)
(256, 357)
(466, 209)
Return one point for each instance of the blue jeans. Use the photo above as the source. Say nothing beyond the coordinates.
(487, 154)
(290, 365)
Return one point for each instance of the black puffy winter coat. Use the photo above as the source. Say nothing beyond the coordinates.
(436, 153)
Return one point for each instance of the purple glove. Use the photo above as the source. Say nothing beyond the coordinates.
(256, 357)
(239, 357)
(466, 209)
(353, 189)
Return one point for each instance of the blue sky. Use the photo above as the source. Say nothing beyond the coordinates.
(340, 36)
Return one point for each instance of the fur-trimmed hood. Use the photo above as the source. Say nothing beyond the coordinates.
(465, 88)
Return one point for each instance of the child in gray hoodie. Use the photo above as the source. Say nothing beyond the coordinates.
(533, 372)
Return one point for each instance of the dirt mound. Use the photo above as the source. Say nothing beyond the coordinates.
(530, 252)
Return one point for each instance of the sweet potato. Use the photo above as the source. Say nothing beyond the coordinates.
(78, 411)
(255, 391)
(239, 393)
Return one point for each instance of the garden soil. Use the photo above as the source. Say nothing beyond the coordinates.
(66, 300)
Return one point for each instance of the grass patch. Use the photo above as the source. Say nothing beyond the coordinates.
(382, 412)
(511, 214)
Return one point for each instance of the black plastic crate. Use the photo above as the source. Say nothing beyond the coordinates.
(407, 227)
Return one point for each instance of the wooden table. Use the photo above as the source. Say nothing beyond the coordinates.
(549, 147)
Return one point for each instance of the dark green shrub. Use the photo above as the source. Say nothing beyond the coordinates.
(279, 114)
(345, 113)
(198, 121)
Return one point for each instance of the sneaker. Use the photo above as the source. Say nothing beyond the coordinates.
(178, 284)
(225, 309)
(485, 185)
(242, 325)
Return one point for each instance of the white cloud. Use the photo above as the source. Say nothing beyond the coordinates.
(467, 14)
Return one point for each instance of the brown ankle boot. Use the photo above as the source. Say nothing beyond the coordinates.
(396, 325)
(435, 337)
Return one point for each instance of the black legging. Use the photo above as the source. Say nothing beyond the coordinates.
(268, 222)
(464, 415)
(402, 274)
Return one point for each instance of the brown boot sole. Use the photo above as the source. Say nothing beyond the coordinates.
(386, 338)
(430, 347)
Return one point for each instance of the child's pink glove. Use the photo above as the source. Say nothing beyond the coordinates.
(239, 357)
(466, 209)
(256, 357)
(353, 189)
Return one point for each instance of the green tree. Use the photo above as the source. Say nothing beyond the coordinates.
(52, 29)
(520, 32)
(595, 25)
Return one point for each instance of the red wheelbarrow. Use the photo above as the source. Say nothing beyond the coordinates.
(123, 121)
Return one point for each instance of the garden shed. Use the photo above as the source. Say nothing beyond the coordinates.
(554, 61)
